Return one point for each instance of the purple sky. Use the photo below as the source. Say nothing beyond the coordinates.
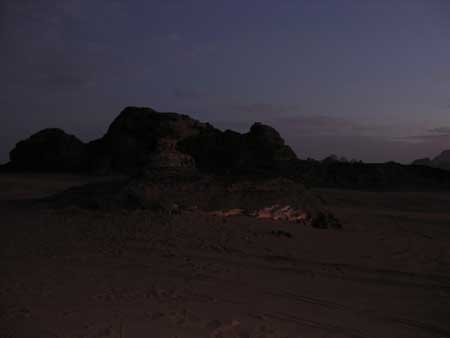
(362, 79)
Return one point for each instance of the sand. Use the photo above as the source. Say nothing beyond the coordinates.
(78, 273)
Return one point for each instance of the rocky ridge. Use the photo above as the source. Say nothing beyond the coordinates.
(142, 138)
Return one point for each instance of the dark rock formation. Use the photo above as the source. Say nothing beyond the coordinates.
(261, 149)
(50, 150)
(334, 159)
(441, 161)
(330, 159)
(141, 138)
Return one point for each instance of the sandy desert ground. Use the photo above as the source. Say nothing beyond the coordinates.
(134, 274)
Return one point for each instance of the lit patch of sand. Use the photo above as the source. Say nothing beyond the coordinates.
(274, 212)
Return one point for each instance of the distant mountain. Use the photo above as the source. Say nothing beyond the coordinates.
(441, 161)
(389, 176)
(334, 159)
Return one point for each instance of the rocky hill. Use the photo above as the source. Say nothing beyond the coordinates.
(49, 150)
(142, 138)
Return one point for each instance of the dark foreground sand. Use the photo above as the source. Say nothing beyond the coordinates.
(77, 273)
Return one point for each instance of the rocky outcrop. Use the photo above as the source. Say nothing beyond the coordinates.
(261, 149)
(334, 159)
(330, 159)
(141, 139)
(441, 161)
(49, 150)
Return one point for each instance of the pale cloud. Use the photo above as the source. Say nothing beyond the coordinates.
(441, 130)
(434, 134)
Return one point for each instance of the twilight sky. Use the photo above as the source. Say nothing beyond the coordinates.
(362, 79)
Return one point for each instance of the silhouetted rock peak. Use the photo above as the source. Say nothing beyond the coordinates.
(49, 150)
(443, 157)
(335, 159)
(141, 138)
(265, 133)
(441, 161)
(330, 159)
(140, 121)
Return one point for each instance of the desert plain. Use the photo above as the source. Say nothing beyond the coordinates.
(72, 272)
